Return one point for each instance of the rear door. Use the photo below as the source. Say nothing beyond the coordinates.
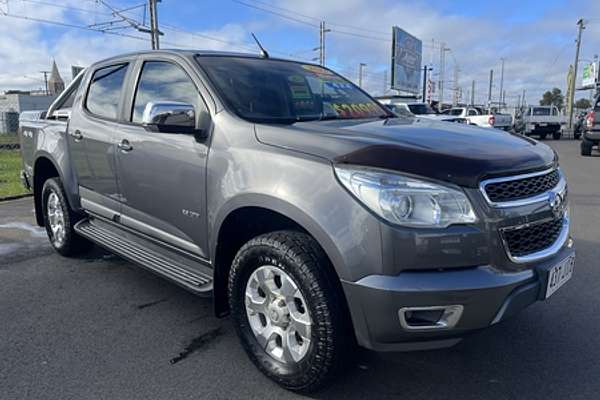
(92, 131)
(162, 175)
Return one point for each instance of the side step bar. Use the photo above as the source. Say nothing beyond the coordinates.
(185, 271)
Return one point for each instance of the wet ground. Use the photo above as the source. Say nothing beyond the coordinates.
(99, 328)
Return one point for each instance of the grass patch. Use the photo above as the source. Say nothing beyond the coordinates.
(9, 139)
(10, 167)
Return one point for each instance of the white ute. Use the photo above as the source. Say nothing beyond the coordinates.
(480, 117)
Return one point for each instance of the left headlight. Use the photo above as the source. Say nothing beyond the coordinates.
(406, 201)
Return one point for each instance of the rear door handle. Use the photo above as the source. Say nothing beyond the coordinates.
(125, 146)
(77, 135)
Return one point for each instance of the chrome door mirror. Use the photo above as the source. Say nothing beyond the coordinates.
(169, 117)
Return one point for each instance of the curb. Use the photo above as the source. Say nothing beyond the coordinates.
(10, 146)
(16, 197)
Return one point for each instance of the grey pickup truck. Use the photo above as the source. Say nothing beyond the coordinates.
(312, 215)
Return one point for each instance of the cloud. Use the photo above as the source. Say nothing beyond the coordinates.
(537, 49)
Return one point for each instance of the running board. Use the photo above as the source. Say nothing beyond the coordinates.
(186, 271)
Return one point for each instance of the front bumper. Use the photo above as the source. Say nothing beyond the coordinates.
(487, 296)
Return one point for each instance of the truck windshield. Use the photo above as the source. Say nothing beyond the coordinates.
(421, 109)
(276, 91)
(541, 111)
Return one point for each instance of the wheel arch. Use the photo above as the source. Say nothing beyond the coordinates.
(249, 218)
(44, 168)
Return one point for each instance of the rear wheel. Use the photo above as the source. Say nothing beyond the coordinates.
(543, 136)
(556, 135)
(289, 311)
(586, 147)
(59, 220)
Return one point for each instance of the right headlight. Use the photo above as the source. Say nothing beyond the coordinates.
(406, 201)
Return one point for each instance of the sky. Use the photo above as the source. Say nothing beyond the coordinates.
(536, 38)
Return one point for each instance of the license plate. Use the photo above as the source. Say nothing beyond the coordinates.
(559, 275)
(543, 124)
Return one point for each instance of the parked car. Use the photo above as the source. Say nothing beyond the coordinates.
(540, 121)
(421, 110)
(480, 117)
(591, 129)
(316, 218)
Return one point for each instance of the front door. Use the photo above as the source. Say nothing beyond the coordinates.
(162, 175)
(92, 130)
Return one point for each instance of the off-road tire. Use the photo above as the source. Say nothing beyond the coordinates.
(73, 244)
(586, 147)
(332, 340)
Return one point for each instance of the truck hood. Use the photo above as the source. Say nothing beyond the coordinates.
(455, 153)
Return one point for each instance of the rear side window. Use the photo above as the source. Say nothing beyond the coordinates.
(105, 91)
(163, 81)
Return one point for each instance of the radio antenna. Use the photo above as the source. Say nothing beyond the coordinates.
(263, 52)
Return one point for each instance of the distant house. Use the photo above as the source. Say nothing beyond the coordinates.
(22, 100)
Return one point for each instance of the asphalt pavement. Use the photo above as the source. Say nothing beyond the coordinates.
(98, 327)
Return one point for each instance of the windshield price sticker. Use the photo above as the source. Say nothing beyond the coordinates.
(356, 110)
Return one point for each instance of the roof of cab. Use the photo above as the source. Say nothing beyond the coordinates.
(189, 53)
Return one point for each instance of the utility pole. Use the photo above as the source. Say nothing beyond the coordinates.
(456, 88)
(385, 82)
(443, 50)
(425, 70)
(503, 98)
(322, 32)
(580, 28)
(523, 101)
(45, 81)
(361, 66)
(473, 92)
(518, 102)
(502, 84)
(154, 32)
(490, 89)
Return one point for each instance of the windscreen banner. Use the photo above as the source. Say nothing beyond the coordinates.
(406, 61)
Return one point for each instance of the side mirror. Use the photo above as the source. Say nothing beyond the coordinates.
(174, 117)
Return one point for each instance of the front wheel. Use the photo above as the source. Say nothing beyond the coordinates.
(59, 220)
(289, 311)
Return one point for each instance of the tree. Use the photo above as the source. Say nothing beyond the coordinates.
(553, 98)
(583, 104)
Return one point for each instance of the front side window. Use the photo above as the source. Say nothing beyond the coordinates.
(262, 90)
(105, 91)
(163, 81)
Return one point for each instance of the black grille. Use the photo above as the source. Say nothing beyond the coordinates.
(521, 188)
(534, 238)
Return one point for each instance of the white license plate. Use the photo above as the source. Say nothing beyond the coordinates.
(559, 275)
(543, 124)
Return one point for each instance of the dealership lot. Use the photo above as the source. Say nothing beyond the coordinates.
(96, 327)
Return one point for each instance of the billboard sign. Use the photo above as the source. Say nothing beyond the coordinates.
(590, 76)
(406, 61)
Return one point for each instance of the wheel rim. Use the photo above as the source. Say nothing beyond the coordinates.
(56, 219)
(278, 314)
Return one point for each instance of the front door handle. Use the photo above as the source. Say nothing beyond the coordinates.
(125, 146)
(77, 135)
